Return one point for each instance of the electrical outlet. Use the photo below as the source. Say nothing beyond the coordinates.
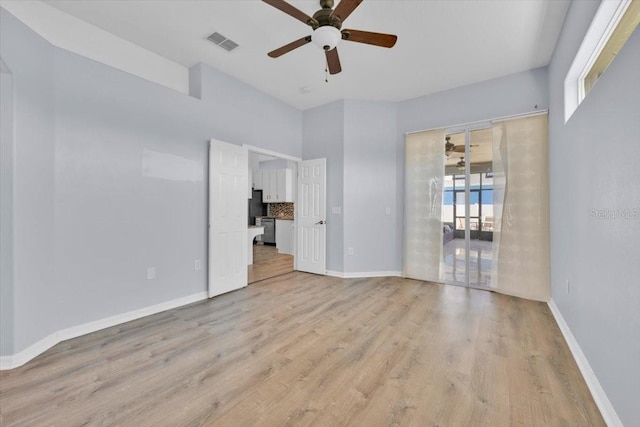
(568, 287)
(349, 251)
(151, 273)
(197, 265)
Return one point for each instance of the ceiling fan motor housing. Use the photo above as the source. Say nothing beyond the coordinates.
(326, 31)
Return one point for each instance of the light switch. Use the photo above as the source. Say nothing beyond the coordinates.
(336, 210)
(387, 210)
(197, 264)
(151, 273)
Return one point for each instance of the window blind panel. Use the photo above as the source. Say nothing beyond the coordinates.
(424, 175)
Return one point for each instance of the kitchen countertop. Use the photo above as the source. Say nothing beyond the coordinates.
(285, 218)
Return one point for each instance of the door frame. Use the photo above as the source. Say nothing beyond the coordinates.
(266, 152)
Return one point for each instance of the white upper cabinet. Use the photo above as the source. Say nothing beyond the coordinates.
(257, 179)
(277, 186)
(285, 185)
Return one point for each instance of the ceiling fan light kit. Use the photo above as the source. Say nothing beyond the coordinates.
(326, 37)
(326, 24)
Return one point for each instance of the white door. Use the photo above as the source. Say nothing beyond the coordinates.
(228, 212)
(311, 229)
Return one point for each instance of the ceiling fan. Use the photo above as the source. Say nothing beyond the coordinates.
(326, 24)
(449, 147)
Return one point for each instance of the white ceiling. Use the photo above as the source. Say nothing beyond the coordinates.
(441, 43)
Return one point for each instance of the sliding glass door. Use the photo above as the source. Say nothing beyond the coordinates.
(454, 211)
(481, 208)
(467, 208)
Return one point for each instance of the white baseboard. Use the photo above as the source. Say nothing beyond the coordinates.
(357, 275)
(606, 408)
(19, 359)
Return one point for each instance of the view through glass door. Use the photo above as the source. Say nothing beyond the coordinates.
(467, 209)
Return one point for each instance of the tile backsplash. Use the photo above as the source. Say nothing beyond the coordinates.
(281, 210)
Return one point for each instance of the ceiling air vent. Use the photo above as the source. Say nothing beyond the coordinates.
(222, 41)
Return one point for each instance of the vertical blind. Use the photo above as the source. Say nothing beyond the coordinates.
(521, 267)
(424, 173)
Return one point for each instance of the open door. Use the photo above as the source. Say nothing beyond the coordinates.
(311, 217)
(228, 210)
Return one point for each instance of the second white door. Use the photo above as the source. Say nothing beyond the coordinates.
(311, 217)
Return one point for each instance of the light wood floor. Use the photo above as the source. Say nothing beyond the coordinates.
(301, 349)
(267, 263)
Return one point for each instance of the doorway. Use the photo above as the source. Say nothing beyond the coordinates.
(272, 182)
(467, 211)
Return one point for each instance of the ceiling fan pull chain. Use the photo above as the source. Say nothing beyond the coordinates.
(326, 71)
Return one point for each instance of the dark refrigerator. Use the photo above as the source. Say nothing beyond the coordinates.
(256, 207)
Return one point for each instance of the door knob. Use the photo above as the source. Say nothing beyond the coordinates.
(320, 222)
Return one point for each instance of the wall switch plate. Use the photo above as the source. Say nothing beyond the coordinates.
(336, 210)
(387, 210)
(349, 251)
(197, 265)
(151, 273)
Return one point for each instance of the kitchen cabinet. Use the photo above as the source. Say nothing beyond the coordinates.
(284, 182)
(268, 187)
(257, 179)
(284, 236)
(277, 186)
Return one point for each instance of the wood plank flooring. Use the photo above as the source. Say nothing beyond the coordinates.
(267, 263)
(301, 349)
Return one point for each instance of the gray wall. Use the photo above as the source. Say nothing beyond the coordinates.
(6, 209)
(514, 94)
(239, 113)
(323, 136)
(109, 180)
(31, 63)
(594, 166)
(369, 186)
(358, 140)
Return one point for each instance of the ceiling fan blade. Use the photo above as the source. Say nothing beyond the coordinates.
(289, 47)
(333, 61)
(460, 148)
(290, 10)
(376, 39)
(344, 8)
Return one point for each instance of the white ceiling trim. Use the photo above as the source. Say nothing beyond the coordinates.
(75, 35)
